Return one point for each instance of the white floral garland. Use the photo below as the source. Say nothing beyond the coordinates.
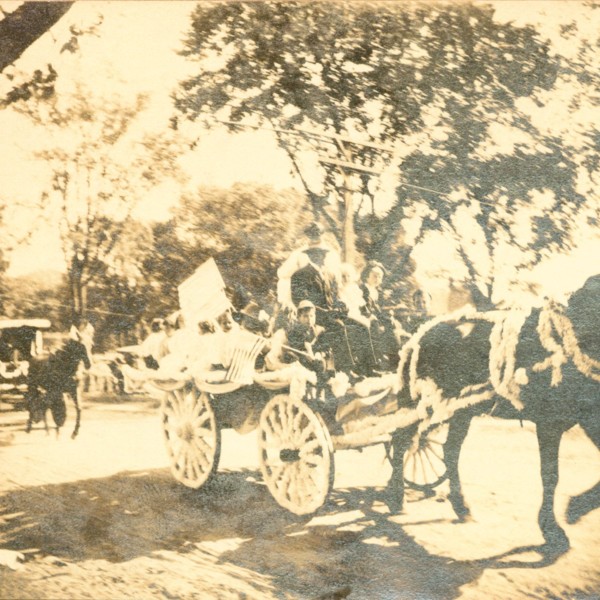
(557, 336)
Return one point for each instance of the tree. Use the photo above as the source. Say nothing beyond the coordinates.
(443, 82)
(37, 295)
(23, 26)
(428, 77)
(247, 229)
(99, 170)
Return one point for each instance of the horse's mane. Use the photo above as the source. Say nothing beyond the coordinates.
(583, 312)
(67, 350)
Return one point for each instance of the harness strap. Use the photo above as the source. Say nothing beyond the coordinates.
(557, 336)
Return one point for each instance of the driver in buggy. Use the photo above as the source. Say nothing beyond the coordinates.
(314, 273)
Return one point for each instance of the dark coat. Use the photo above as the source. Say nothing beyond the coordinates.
(309, 283)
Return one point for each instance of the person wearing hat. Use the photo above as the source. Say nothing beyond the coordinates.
(303, 341)
(384, 340)
(320, 264)
(254, 319)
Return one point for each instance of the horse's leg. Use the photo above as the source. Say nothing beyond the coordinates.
(29, 401)
(457, 432)
(549, 435)
(75, 397)
(584, 503)
(401, 440)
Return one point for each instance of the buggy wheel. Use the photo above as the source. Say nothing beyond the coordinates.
(296, 455)
(192, 436)
(424, 464)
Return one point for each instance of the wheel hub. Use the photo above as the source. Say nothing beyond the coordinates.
(289, 455)
(185, 432)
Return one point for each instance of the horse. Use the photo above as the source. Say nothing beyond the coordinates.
(49, 378)
(541, 365)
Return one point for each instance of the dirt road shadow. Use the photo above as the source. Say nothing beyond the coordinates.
(135, 514)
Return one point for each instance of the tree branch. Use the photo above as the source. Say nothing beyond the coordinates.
(22, 27)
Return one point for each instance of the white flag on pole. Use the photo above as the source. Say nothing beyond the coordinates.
(202, 296)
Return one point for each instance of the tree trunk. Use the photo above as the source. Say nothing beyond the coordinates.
(77, 293)
(348, 249)
(22, 27)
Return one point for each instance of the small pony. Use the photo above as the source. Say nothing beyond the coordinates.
(51, 377)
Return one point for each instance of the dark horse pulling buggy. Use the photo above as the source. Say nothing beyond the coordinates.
(541, 365)
(51, 375)
(36, 377)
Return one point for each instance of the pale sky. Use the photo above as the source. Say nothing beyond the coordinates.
(136, 52)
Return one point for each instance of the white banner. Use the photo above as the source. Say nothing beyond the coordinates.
(202, 295)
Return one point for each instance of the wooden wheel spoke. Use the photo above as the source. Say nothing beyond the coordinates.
(177, 402)
(313, 459)
(434, 441)
(289, 427)
(181, 460)
(420, 455)
(169, 411)
(414, 462)
(300, 486)
(310, 447)
(312, 475)
(435, 451)
(199, 420)
(188, 464)
(275, 427)
(203, 447)
(276, 470)
(291, 418)
(189, 407)
(427, 466)
(203, 433)
(192, 437)
(297, 420)
(270, 430)
(306, 433)
(284, 481)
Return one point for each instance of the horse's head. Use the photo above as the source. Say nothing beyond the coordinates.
(583, 311)
(77, 352)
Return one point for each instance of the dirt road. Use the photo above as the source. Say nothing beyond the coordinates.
(101, 517)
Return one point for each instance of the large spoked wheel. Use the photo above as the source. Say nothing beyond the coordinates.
(192, 436)
(424, 465)
(296, 455)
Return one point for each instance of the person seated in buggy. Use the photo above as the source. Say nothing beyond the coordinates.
(314, 276)
(152, 349)
(381, 322)
(303, 341)
(228, 345)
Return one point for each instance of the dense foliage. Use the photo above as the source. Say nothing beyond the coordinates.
(447, 83)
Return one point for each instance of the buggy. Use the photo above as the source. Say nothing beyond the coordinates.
(20, 341)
